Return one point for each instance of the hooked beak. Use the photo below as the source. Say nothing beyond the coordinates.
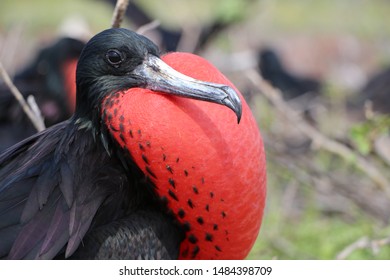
(159, 76)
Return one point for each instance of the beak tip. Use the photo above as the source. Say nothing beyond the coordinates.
(237, 109)
(233, 101)
(238, 118)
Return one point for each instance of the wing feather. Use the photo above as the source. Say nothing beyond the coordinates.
(51, 187)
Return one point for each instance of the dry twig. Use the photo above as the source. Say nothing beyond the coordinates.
(363, 243)
(120, 9)
(33, 114)
(319, 139)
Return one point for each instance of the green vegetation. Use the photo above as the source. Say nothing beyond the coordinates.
(315, 236)
(364, 134)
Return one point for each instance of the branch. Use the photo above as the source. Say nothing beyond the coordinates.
(120, 9)
(35, 109)
(33, 115)
(363, 243)
(319, 140)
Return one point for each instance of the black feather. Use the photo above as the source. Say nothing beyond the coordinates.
(159, 236)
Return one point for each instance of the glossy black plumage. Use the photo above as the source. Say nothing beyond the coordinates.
(152, 229)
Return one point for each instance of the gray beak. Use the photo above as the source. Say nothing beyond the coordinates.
(159, 76)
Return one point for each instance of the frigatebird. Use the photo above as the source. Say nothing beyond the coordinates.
(376, 90)
(50, 78)
(291, 85)
(114, 181)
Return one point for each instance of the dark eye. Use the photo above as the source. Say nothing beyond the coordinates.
(114, 57)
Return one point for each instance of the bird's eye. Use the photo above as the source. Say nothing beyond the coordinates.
(114, 57)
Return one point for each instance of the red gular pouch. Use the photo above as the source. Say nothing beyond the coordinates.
(210, 169)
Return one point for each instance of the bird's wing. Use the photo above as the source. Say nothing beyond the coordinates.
(46, 205)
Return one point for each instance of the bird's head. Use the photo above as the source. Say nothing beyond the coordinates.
(119, 59)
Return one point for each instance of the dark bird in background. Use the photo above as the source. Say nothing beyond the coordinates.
(376, 91)
(100, 185)
(302, 93)
(291, 85)
(50, 78)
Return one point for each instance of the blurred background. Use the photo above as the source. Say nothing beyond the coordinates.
(328, 153)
